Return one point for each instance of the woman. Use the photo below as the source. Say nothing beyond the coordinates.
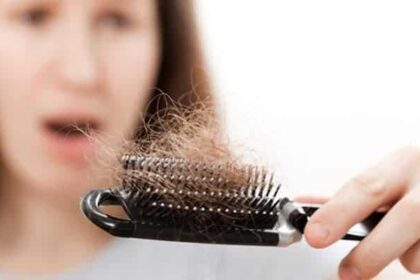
(90, 63)
(97, 64)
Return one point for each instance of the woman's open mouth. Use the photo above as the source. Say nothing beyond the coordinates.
(70, 137)
(71, 130)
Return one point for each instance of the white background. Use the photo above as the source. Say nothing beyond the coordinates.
(319, 89)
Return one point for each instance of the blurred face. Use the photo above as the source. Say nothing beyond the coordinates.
(90, 63)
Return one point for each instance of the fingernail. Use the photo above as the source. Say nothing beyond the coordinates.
(318, 231)
(348, 272)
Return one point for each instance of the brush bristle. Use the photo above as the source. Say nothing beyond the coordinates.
(197, 196)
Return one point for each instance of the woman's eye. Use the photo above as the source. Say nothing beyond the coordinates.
(116, 20)
(35, 16)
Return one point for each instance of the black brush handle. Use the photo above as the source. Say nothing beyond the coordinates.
(91, 202)
(358, 231)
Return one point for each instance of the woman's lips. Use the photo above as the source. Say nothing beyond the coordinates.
(70, 137)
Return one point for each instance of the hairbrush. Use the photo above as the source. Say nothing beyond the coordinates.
(178, 200)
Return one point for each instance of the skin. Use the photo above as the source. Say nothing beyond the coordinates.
(99, 56)
(393, 184)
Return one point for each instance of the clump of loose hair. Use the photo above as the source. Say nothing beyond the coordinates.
(207, 174)
(206, 171)
(191, 133)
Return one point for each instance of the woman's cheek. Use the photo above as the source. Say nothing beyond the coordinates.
(132, 70)
(16, 104)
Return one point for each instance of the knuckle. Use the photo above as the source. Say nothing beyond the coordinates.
(410, 149)
(367, 268)
(411, 206)
(410, 264)
(410, 153)
(371, 267)
(415, 269)
(370, 183)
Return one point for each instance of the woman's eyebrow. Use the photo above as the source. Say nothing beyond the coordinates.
(120, 2)
(130, 4)
(26, 2)
(138, 7)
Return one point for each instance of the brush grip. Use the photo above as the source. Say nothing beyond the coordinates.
(359, 230)
(90, 206)
(91, 202)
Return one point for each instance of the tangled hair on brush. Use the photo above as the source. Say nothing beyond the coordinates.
(182, 172)
(192, 133)
(189, 131)
(185, 150)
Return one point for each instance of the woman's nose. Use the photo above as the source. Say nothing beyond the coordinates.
(78, 61)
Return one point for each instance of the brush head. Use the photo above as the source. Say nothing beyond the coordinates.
(196, 196)
(178, 200)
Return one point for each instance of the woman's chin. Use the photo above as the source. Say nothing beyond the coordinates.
(65, 185)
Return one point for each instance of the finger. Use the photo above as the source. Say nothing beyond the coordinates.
(411, 259)
(310, 199)
(394, 235)
(358, 198)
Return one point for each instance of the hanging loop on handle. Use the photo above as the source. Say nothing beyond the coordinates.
(90, 204)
